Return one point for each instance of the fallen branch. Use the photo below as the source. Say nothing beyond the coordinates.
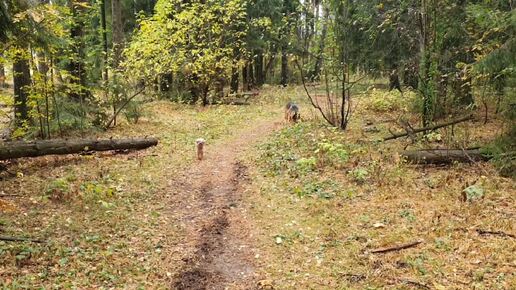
(498, 233)
(17, 149)
(444, 156)
(9, 195)
(429, 128)
(15, 239)
(415, 283)
(396, 248)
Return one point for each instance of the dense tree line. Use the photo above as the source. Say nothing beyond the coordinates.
(76, 63)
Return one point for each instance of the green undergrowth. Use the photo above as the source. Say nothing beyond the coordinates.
(105, 217)
(322, 199)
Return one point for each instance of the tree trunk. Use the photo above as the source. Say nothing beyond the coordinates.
(443, 156)
(118, 32)
(250, 75)
(284, 67)
(269, 67)
(245, 78)
(258, 67)
(234, 80)
(22, 82)
(17, 149)
(103, 8)
(2, 76)
(77, 66)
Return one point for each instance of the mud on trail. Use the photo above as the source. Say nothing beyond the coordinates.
(217, 252)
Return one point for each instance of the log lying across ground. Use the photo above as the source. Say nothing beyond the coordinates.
(17, 149)
(443, 156)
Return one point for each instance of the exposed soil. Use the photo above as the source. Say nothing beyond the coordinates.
(218, 250)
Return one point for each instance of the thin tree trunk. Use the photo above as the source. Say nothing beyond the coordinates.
(2, 76)
(269, 67)
(103, 8)
(250, 75)
(234, 80)
(258, 67)
(245, 78)
(284, 67)
(233, 83)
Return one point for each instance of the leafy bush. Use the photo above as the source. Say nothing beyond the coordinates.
(332, 154)
(93, 190)
(383, 101)
(58, 189)
(305, 165)
(359, 175)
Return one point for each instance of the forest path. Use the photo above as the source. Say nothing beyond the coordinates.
(218, 248)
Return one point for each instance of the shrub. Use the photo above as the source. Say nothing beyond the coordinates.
(332, 154)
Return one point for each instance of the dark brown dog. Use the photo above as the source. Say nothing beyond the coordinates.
(292, 114)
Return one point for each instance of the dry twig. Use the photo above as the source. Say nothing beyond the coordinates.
(396, 248)
(497, 233)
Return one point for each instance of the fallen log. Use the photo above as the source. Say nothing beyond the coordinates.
(429, 128)
(443, 156)
(17, 149)
(16, 239)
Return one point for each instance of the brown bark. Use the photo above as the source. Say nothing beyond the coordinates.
(258, 68)
(245, 78)
(22, 82)
(118, 32)
(17, 149)
(103, 8)
(2, 76)
(443, 156)
(77, 66)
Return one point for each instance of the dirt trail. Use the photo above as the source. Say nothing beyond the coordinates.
(218, 252)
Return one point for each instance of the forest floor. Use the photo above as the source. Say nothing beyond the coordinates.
(272, 206)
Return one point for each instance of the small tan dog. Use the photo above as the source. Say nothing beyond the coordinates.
(200, 148)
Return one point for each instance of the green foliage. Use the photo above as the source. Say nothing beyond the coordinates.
(58, 189)
(333, 154)
(303, 148)
(133, 111)
(321, 189)
(202, 37)
(474, 192)
(97, 191)
(304, 165)
(383, 101)
(359, 175)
